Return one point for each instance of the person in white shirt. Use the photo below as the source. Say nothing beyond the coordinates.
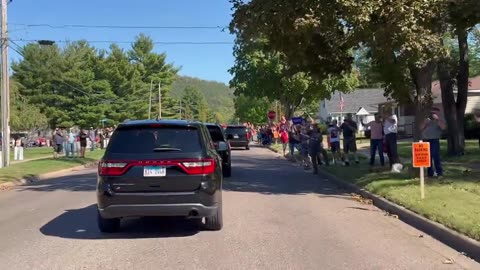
(334, 138)
(390, 129)
(18, 149)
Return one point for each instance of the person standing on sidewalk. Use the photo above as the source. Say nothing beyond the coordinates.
(376, 139)
(71, 144)
(65, 141)
(293, 141)
(432, 129)
(57, 142)
(334, 138)
(18, 149)
(316, 149)
(390, 129)
(93, 139)
(83, 142)
(349, 129)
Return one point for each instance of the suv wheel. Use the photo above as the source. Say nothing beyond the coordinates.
(108, 225)
(215, 222)
(227, 170)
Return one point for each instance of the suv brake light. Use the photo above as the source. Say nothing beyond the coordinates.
(205, 166)
(191, 167)
(107, 168)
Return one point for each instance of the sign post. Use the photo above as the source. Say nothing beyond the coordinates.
(271, 115)
(421, 159)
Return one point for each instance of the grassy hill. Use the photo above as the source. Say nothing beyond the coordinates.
(218, 95)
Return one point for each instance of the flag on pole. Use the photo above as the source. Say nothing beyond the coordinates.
(323, 113)
(342, 103)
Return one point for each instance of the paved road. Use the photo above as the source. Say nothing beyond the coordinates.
(276, 217)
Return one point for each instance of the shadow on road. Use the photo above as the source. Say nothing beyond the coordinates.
(82, 224)
(78, 182)
(272, 175)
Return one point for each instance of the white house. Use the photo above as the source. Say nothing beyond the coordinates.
(362, 103)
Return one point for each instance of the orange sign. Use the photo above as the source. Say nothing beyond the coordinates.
(421, 155)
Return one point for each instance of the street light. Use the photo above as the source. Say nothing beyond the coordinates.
(46, 42)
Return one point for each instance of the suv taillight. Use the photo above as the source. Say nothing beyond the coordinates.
(204, 166)
(191, 167)
(107, 168)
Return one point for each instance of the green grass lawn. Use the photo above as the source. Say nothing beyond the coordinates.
(34, 152)
(472, 152)
(453, 201)
(277, 147)
(41, 166)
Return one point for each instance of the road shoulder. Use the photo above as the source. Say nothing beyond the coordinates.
(467, 246)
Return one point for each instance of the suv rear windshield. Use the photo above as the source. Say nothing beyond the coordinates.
(236, 130)
(145, 139)
(216, 133)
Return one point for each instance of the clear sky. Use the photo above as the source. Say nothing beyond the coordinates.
(209, 62)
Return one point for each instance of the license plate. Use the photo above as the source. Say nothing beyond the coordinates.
(235, 136)
(154, 171)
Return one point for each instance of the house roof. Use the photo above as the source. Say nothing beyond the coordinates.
(473, 84)
(368, 98)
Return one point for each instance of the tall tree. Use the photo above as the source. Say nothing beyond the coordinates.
(317, 37)
(24, 116)
(80, 85)
(249, 109)
(454, 69)
(194, 104)
(259, 72)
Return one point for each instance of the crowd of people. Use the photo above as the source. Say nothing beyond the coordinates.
(306, 139)
(73, 142)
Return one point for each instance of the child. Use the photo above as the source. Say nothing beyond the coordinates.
(304, 143)
(334, 137)
(284, 139)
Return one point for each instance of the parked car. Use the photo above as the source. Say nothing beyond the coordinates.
(222, 147)
(159, 168)
(238, 136)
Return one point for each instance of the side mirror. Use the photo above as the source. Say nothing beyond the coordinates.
(229, 137)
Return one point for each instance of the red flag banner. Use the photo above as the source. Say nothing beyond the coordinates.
(342, 103)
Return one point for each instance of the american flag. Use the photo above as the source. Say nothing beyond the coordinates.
(342, 103)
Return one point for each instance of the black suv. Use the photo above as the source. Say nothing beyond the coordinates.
(160, 168)
(238, 136)
(222, 146)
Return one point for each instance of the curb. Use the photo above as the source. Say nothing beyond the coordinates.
(273, 150)
(449, 237)
(458, 241)
(46, 176)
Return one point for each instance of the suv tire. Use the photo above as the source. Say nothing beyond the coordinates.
(108, 225)
(227, 171)
(215, 222)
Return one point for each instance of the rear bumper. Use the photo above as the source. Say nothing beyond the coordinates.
(239, 143)
(140, 210)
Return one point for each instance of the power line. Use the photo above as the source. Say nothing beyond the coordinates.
(130, 42)
(222, 28)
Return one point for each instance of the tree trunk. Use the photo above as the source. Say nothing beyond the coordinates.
(289, 111)
(422, 78)
(462, 85)
(449, 106)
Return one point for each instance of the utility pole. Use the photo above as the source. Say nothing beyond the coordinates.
(5, 93)
(150, 101)
(276, 110)
(159, 102)
(180, 109)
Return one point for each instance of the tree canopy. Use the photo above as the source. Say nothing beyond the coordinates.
(398, 43)
(81, 85)
(259, 73)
